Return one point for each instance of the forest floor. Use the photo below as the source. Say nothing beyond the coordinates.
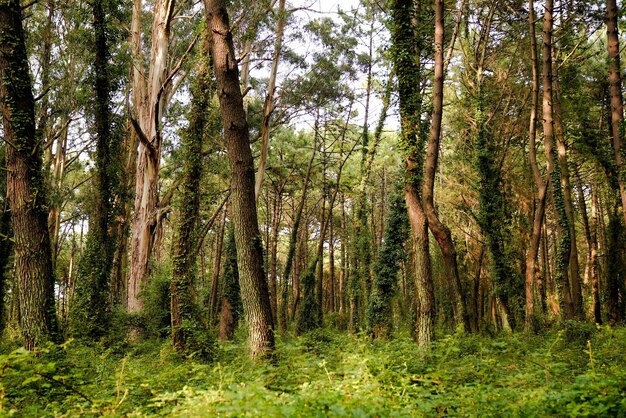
(579, 370)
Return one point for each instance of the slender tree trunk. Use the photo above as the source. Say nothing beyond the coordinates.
(91, 310)
(441, 232)
(26, 190)
(185, 247)
(574, 267)
(291, 251)
(540, 200)
(268, 104)
(273, 253)
(253, 282)
(595, 293)
(615, 90)
(217, 260)
(343, 260)
(563, 245)
(585, 218)
(331, 262)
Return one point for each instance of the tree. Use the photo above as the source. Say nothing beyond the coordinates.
(92, 305)
(406, 55)
(185, 254)
(254, 289)
(26, 192)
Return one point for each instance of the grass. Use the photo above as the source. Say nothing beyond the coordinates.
(577, 370)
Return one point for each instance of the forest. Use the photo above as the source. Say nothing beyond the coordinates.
(268, 208)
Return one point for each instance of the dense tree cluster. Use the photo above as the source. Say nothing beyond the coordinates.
(177, 168)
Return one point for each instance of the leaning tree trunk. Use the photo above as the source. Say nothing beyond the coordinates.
(408, 69)
(254, 289)
(440, 231)
(26, 192)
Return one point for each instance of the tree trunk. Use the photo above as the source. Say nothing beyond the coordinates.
(291, 251)
(441, 232)
(149, 109)
(273, 253)
(268, 104)
(540, 200)
(615, 90)
(424, 288)
(217, 259)
(574, 267)
(595, 293)
(253, 282)
(563, 245)
(185, 251)
(26, 192)
(91, 308)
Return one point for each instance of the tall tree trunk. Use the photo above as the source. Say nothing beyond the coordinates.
(291, 251)
(26, 190)
(595, 290)
(273, 253)
(406, 47)
(185, 251)
(441, 232)
(540, 200)
(91, 307)
(6, 244)
(254, 289)
(574, 267)
(617, 100)
(149, 109)
(585, 218)
(563, 245)
(217, 259)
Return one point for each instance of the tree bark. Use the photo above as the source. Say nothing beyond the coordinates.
(540, 200)
(574, 267)
(595, 291)
(617, 100)
(268, 104)
(563, 245)
(253, 282)
(150, 109)
(441, 232)
(26, 190)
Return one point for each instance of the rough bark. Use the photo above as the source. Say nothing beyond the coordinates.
(617, 100)
(254, 289)
(26, 191)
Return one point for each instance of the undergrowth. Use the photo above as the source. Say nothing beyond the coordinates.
(577, 370)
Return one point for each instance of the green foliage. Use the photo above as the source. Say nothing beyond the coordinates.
(386, 269)
(307, 318)
(230, 289)
(326, 373)
(154, 319)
